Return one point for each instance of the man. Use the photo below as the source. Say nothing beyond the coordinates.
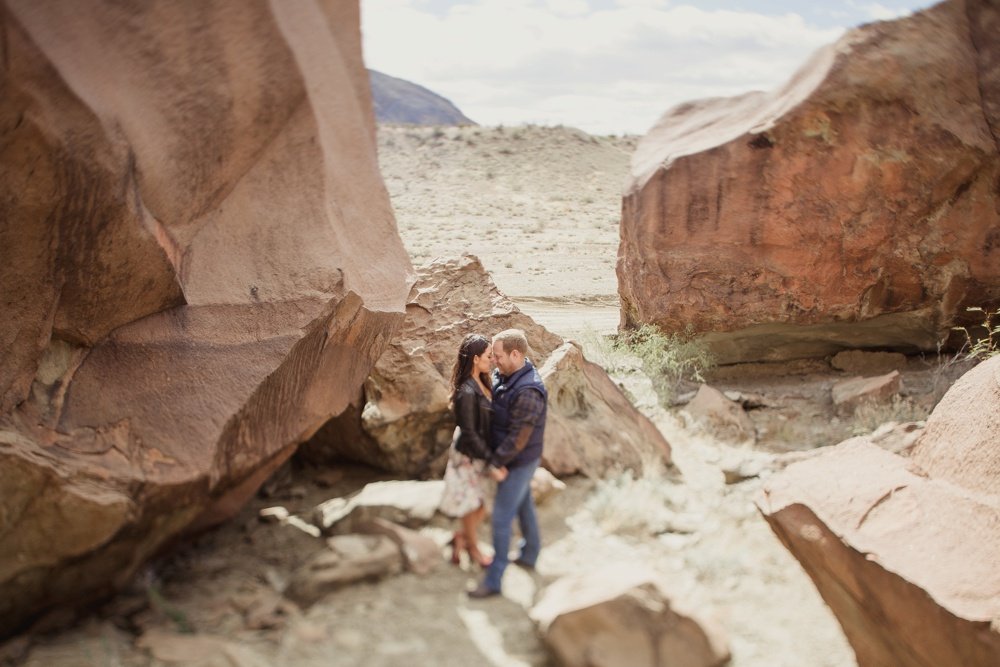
(517, 430)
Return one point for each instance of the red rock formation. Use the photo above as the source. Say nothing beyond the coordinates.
(199, 267)
(857, 206)
(905, 551)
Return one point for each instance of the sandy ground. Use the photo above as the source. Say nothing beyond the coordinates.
(540, 207)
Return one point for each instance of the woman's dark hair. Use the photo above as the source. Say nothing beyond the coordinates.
(473, 345)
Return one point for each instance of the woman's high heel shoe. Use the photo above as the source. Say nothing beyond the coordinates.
(457, 547)
(478, 558)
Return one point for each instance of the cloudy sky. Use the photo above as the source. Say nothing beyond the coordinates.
(604, 66)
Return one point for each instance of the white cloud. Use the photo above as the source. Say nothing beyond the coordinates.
(554, 61)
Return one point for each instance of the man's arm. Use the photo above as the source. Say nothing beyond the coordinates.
(525, 413)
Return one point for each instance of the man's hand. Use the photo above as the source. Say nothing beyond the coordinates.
(498, 474)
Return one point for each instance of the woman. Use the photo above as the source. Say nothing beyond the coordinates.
(465, 483)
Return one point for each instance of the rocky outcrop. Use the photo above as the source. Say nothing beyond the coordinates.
(402, 423)
(856, 207)
(904, 550)
(625, 615)
(200, 266)
(589, 429)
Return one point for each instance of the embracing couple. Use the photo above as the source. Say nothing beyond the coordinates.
(501, 424)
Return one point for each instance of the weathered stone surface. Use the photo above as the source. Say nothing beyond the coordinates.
(849, 394)
(592, 428)
(904, 550)
(625, 616)
(961, 442)
(350, 558)
(855, 207)
(410, 503)
(403, 423)
(861, 362)
(200, 266)
(723, 418)
(421, 554)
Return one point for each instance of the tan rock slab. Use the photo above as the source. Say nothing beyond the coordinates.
(421, 554)
(410, 503)
(624, 616)
(350, 558)
(847, 395)
(862, 362)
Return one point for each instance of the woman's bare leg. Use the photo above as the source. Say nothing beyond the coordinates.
(470, 523)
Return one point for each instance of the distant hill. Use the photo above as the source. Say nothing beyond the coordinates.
(399, 101)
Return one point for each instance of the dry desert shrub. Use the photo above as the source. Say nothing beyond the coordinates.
(984, 340)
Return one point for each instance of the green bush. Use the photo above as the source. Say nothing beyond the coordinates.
(668, 359)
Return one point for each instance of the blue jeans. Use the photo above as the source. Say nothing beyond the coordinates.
(513, 499)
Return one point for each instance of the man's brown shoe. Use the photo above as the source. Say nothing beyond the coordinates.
(481, 591)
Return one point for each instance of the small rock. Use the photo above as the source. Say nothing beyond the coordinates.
(625, 615)
(421, 554)
(409, 503)
(863, 362)
(721, 417)
(304, 526)
(273, 514)
(350, 558)
(849, 394)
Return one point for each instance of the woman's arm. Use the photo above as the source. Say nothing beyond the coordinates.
(469, 442)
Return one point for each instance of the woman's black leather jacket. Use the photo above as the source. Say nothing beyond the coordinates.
(472, 414)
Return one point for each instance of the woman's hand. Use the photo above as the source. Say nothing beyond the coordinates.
(499, 474)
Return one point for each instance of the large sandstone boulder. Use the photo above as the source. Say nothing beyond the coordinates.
(855, 207)
(905, 550)
(199, 267)
(402, 423)
(592, 427)
(625, 615)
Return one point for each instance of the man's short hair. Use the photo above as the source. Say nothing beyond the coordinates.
(513, 339)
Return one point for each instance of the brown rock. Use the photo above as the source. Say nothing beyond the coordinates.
(854, 207)
(723, 418)
(350, 558)
(403, 423)
(189, 236)
(411, 503)
(861, 362)
(849, 394)
(624, 616)
(421, 554)
(904, 550)
(592, 428)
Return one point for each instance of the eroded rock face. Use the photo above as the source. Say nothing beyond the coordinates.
(904, 550)
(592, 428)
(402, 422)
(624, 615)
(191, 217)
(855, 207)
